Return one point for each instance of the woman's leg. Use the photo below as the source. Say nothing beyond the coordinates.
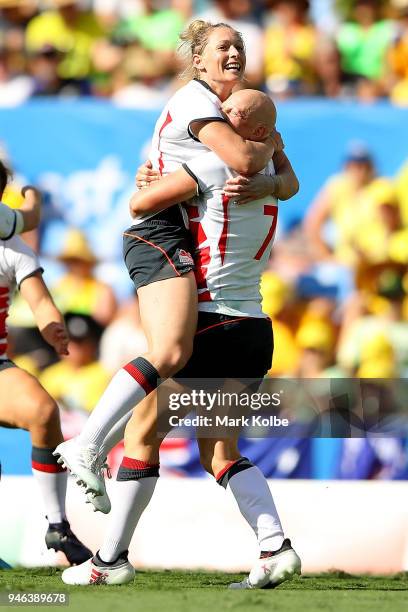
(222, 459)
(136, 480)
(24, 404)
(277, 560)
(168, 311)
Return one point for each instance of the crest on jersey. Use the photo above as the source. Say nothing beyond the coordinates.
(185, 257)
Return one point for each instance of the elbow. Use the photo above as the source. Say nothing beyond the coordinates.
(245, 164)
(253, 166)
(296, 186)
(135, 208)
(135, 211)
(132, 210)
(292, 190)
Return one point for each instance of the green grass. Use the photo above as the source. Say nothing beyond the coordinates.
(175, 591)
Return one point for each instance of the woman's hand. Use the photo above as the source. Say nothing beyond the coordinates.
(278, 143)
(146, 175)
(56, 335)
(244, 189)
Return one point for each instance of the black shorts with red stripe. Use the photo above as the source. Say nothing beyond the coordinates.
(158, 248)
(230, 347)
(5, 364)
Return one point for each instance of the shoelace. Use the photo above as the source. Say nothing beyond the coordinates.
(105, 466)
(91, 461)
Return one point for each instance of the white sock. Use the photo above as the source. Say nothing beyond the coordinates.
(126, 389)
(255, 501)
(130, 498)
(52, 480)
(53, 487)
(115, 435)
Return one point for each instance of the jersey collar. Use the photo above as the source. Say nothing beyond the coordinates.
(206, 85)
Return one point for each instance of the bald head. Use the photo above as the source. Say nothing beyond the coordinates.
(251, 112)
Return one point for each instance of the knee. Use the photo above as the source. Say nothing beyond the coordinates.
(42, 412)
(172, 359)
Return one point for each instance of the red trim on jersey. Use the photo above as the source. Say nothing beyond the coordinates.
(271, 210)
(166, 122)
(137, 464)
(139, 377)
(201, 331)
(225, 469)
(50, 468)
(4, 301)
(205, 296)
(202, 255)
(4, 290)
(222, 243)
(155, 246)
(3, 317)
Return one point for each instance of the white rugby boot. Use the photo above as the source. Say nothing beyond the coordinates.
(100, 503)
(272, 569)
(96, 571)
(84, 464)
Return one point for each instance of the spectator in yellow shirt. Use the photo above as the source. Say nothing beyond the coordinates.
(347, 200)
(78, 380)
(69, 30)
(290, 44)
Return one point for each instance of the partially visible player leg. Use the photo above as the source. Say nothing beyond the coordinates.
(277, 561)
(136, 481)
(169, 317)
(247, 353)
(25, 404)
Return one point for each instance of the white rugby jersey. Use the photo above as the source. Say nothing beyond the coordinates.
(173, 142)
(17, 262)
(232, 241)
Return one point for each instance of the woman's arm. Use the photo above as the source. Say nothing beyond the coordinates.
(286, 181)
(317, 215)
(243, 156)
(48, 318)
(283, 185)
(171, 189)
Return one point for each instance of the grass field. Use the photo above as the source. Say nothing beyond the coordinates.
(175, 591)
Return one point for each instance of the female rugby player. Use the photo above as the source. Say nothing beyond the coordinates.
(24, 404)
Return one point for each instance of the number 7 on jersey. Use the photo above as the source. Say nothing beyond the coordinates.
(269, 210)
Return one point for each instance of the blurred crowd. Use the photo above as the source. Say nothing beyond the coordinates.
(337, 288)
(126, 50)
